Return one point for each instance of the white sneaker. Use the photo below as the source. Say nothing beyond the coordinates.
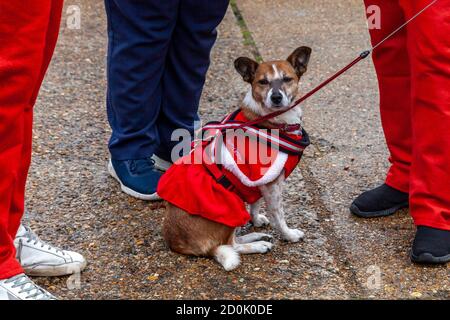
(21, 287)
(41, 259)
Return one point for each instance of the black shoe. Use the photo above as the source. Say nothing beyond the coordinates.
(431, 246)
(379, 202)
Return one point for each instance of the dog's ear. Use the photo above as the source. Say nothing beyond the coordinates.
(299, 60)
(246, 68)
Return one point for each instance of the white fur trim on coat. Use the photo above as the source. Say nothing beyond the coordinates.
(272, 173)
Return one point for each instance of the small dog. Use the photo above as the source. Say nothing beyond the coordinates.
(274, 86)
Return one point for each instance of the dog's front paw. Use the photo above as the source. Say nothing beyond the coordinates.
(260, 221)
(293, 235)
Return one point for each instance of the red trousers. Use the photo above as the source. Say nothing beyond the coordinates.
(28, 34)
(413, 70)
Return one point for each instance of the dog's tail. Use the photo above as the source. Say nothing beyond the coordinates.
(227, 257)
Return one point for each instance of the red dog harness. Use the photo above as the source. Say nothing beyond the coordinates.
(224, 172)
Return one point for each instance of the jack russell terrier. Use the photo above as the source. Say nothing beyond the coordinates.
(206, 199)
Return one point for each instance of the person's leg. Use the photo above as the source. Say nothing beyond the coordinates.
(23, 26)
(51, 36)
(429, 48)
(186, 66)
(139, 35)
(37, 257)
(392, 66)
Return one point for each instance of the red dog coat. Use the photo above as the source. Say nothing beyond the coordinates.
(229, 173)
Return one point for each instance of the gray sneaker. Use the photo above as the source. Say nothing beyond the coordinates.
(21, 287)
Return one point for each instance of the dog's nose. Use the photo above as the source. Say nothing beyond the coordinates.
(276, 98)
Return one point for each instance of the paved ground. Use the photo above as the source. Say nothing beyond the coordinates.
(75, 204)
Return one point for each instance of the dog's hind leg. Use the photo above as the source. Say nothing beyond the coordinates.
(258, 220)
(227, 256)
(252, 237)
(253, 247)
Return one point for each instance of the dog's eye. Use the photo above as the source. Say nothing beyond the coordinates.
(263, 82)
(287, 79)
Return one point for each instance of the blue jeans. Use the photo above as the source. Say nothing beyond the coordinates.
(158, 56)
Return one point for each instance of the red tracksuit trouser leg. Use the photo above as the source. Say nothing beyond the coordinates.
(413, 70)
(28, 34)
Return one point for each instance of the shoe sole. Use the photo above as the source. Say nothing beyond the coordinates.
(131, 192)
(428, 258)
(376, 214)
(55, 271)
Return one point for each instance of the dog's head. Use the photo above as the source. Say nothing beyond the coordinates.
(275, 83)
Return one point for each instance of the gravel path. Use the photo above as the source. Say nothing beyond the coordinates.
(75, 204)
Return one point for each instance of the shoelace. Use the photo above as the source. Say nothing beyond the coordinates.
(33, 238)
(28, 287)
(142, 164)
